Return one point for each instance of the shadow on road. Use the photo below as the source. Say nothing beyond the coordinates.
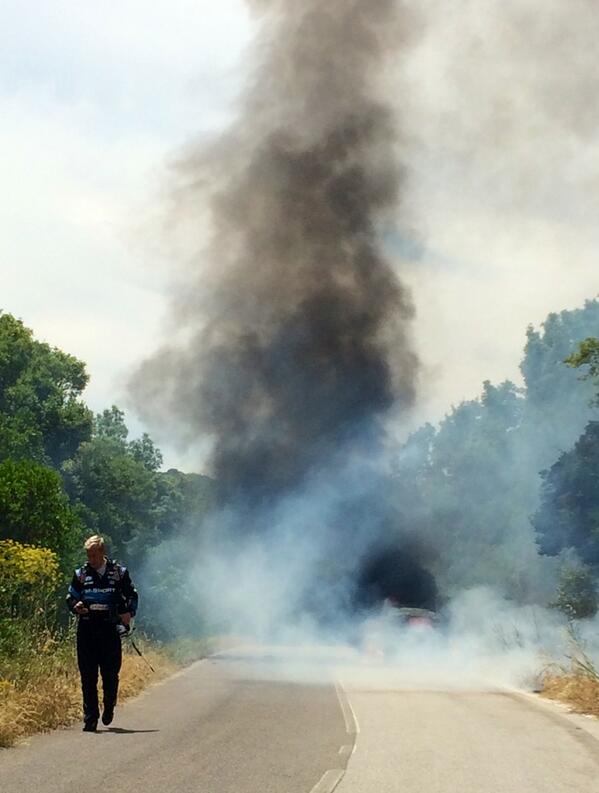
(123, 731)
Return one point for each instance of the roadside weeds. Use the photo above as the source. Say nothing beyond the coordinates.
(46, 693)
(577, 685)
(578, 691)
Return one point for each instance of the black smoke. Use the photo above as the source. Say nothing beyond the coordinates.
(296, 325)
(292, 328)
(395, 574)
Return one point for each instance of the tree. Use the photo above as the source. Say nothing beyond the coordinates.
(451, 494)
(577, 595)
(115, 495)
(558, 404)
(110, 426)
(468, 487)
(587, 355)
(119, 492)
(547, 379)
(184, 502)
(34, 509)
(145, 452)
(41, 414)
(568, 516)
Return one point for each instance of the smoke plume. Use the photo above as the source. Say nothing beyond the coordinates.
(292, 339)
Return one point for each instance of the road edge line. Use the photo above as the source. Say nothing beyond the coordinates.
(583, 721)
(329, 781)
(352, 726)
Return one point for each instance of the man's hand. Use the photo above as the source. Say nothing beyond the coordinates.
(79, 608)
(126, 618)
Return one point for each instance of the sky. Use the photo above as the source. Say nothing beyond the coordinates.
(497, 226)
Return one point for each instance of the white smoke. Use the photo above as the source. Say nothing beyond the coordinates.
(500, 147)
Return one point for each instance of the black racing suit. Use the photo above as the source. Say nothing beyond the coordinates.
(98, 642)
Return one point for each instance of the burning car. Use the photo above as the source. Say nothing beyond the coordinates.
(395, 579)
(398, 597)
(420, 619)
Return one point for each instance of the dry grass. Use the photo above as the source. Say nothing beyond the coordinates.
(46, 693)
(576, 685)
(136, 674)
(579, 691)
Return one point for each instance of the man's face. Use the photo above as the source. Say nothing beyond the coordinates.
(95, 556)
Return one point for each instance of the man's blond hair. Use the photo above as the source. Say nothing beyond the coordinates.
(95, 541)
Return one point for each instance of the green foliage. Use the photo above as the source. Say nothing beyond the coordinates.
(41, 415)
(460, 490)
(34, 509)
(184, 502)
(577, 595)
(145, 452)
(65, 473)
(110, 426)
(26, 565)
(119, 492)
(173, 607)
(29, 579)
(558, 403)
(568, 516)
(587, 355)
(115, 495)
(545, 350)
(468, 488)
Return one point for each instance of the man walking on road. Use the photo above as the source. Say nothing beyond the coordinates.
(103, 597)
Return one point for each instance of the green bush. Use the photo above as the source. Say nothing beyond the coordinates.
(34, 509)
(577, 593)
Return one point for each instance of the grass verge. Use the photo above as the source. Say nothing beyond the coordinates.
(578, 691)
(576, 685)
(40, 686)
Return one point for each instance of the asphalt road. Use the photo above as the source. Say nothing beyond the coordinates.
(213, 729)
(466, 742)
(259, 723)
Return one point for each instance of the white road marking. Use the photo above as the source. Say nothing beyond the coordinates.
(329, 781)
(346, 751)
(352, 727)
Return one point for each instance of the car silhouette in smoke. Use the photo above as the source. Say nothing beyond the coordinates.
(410, 617)
(396, 578)
(395, 629)
(397, 597)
